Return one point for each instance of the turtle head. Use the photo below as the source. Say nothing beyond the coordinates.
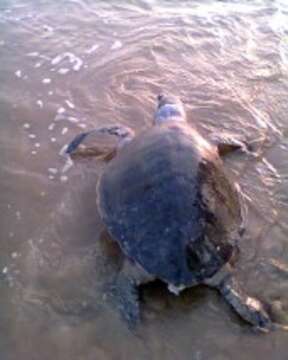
(169, 108)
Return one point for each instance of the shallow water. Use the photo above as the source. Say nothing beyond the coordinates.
(71, 65)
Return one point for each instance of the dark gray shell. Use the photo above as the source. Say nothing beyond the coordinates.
(167, 201)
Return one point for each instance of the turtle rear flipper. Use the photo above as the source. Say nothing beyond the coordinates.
(123, 295)
(248, 308)
(123, 292)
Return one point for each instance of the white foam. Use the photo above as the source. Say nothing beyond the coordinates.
(37, 145)
(18, 73)
(116, 45)
(60, 117)
(63, 178)
(33, 54)
(27, 126)
(92, 49)
(48, 28)
(63, 150)
(53, 139)
(51, 126)
(78, 65)
(64, 130)
(70, 104)
(14, 255)
(63, 71)
(32, 136)
(40, 103)
(50, 93)
(61, 110)
(69, 163)
(46, 81)
(5, 270)
(43, 193)
(57, 59)
(33, 152)
(73, 119)
(53, 170)
(82, 126)
(73, 59)
(51, 177)
(44, 57)
(37, 65)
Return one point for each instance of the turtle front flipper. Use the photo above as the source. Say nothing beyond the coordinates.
(88, 144)
(249, 308)
(227, 144)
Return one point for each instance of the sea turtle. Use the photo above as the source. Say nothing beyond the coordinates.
(165, 198)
